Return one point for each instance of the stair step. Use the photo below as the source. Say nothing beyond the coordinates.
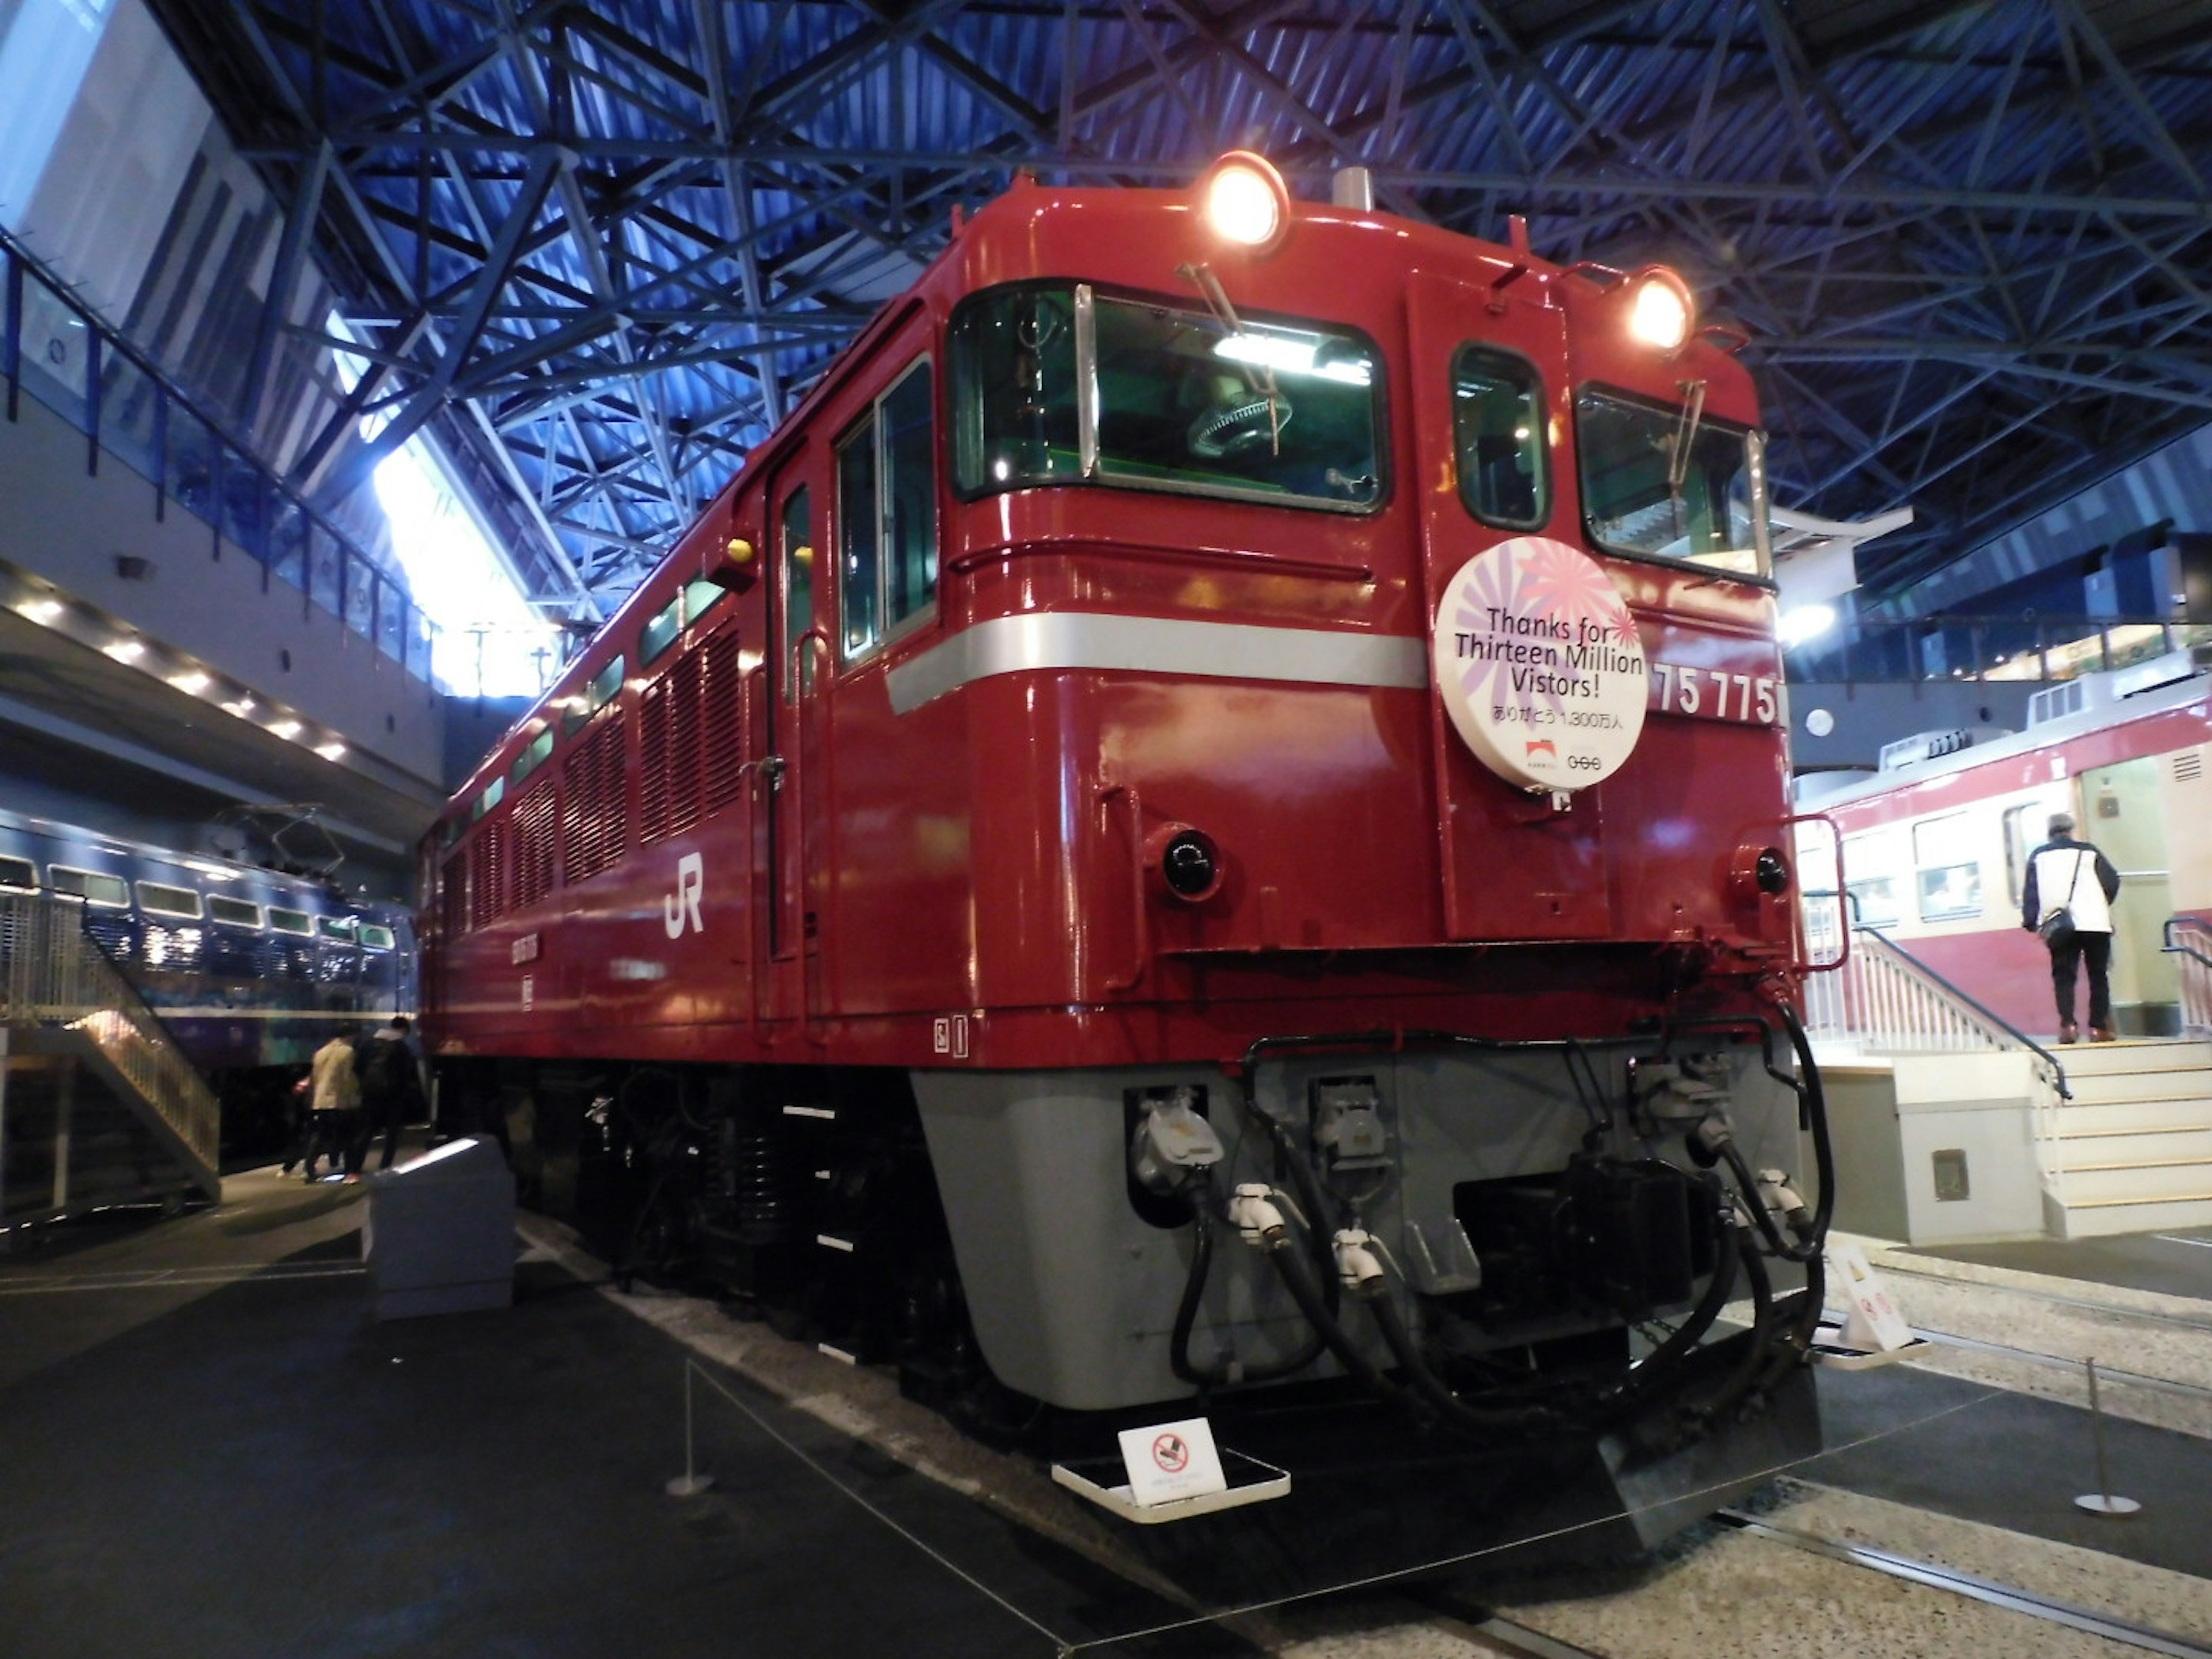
(2129, 1148)
(2195, 1083)
(2092, 1059)
(2140, 1182)
(2132, 1116)
(2082, 1219)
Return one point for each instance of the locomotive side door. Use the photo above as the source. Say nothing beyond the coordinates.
(794, 688)
(1492, 461)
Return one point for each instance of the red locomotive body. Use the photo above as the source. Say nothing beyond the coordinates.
(1167, 720)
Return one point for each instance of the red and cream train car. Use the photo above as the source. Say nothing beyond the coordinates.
(1198, 727)
(1934, 850)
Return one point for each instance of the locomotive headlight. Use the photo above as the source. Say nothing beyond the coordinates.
(1245, 201)
(1659, 309)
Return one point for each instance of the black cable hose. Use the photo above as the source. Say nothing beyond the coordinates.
(1749, 1370)
(1640, 1384)
(1454, 1411)
(1195, 1195)
(1298, 1278)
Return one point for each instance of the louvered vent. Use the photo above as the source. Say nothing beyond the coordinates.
(488, 861)
(721, 725)
(654, 710)
(684, 741)
(2189, 766)
(534, 847)
(592, 834)
(453, 895)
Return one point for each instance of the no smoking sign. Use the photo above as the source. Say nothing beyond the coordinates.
(1169, 1460)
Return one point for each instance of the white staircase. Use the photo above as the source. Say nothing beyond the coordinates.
(2133, 1147)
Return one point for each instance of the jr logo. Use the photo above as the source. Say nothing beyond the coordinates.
(682, 907)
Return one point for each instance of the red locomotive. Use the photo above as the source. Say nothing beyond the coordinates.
(1218, 715)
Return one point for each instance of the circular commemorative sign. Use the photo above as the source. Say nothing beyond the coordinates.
(1539, 665)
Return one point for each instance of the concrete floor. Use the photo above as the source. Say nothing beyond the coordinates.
(212, 1448)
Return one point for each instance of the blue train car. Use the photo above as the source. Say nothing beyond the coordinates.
(249, 969)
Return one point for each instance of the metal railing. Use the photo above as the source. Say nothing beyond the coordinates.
(53, 973)
(2189, 942)
(1883, 999)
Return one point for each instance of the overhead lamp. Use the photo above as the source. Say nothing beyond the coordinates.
(192, 680)
(286, 728)
(1245, 201)
(1660, 308)
(40, 610)
(1805, 622)
(125, 650)
(330, 751)
(242, 707)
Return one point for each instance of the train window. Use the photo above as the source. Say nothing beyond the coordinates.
(291, 921)
(1058, 384)
(19, 875)
(700, 596)
(1498, 427)
(495, 793)
(375, 937)
(887, 513)
(595, 697)
(338, 929)
(797, 582)
(533, 755)
(1946, 869)
(1668, 482)
(660, 630)
(159, 899)
(1873, 877)
(109, 893)
(233, 913)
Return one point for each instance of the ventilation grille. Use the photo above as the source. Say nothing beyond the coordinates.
(721, 722)
(2189, 766)
(453, 895)
(488, 861)
(592, 834)
(533, 823)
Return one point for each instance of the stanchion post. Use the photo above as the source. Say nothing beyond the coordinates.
(690, 1483)
(2102, 1501)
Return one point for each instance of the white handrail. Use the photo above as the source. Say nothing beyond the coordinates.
(1883, 1000)
(53, 973)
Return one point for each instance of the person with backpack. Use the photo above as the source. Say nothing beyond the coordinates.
(2067, 900)
(391, 1088)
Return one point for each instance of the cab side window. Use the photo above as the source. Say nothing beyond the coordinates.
(1497, 429)
(887, 514)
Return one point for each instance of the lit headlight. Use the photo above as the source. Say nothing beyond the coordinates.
(1659, 309)
(1245, 201)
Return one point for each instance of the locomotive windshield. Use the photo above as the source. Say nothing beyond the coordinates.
(1058, 384)
(1663, 482)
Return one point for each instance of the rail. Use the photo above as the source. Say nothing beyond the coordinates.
(2189, 940)
(53, 973)
(1884, 999)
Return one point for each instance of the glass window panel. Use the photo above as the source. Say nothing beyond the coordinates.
(375, 937)
(859, 539)
(325, 557)
(233, 913)
(288, 544)
(57, 352)
(109, 891)
(1498, 431)
(533, 757)
(19, 875)
(700, 596)
(162, 899)
(660, 630)
(130, 406)
(908, 422)
(1015, 419)
(339, 928)
(1274, 411)
(797, 582)
(1656, 482)
(291, 921)
(390, 611)
(246, 504)
(191, 464)
(1947, 869)
(361, 581)
(495, 793)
